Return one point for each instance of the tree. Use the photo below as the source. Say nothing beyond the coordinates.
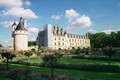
(101, 39)
(31, 43)
(0, 45)
(51, 60)
(28, 54)
(109, 51)
(78, 51)
(8, 56)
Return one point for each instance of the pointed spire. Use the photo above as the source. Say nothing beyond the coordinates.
(20, 25)
(14, 23)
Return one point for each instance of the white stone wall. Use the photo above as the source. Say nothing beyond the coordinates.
(66, 41)
(20, 40)
(49, 35)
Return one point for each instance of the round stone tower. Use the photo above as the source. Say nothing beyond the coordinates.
(20, 36)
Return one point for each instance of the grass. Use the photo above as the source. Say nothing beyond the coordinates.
(74, 73)
(75, 61)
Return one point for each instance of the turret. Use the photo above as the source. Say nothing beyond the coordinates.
(20, 36)
(25, 23)
(14, 25)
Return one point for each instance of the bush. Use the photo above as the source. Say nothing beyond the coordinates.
(97, 68)
(18, 74)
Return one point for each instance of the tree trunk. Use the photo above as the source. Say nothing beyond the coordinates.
(7, 64)
(52, 74)
(109, 59)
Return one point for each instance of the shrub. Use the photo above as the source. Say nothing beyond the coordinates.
(18, 74)
(97, 68)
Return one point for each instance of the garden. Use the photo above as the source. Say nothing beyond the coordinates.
(60, 65)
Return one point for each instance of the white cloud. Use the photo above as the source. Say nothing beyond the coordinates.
(81, 22)
(27, 3)
(7, 24)
(33, 39)
(18, 12)
(108, 31)
(57, 17)
(71, 14)
(92, 31)
(33, 30)
(76, 20)
(7, 4)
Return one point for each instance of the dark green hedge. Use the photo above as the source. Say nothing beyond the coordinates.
(96, 68)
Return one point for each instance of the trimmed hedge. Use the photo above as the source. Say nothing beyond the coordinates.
(97, 58)
(96, 68)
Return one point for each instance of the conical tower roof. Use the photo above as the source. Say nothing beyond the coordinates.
(20, 25)
(14, 24)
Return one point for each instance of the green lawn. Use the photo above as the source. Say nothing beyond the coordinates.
(74, 73)
(75, 61)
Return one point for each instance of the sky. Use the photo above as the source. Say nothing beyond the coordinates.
(74, 16)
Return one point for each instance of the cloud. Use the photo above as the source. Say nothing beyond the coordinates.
(71, 14)
(57, 17)
(81, 22)
(108, 31)
(7, 24)
(18, 12)
(27, 3)
(10, 4)
(76, 20)
(33, 30)
(15, 9)
(92, 31)
(33, 39)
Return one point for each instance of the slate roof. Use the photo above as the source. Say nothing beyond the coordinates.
(20, 25)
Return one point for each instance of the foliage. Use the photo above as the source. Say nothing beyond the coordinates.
(19, 74)
(77, 51)
(31, 43)
(0, 45)
(8, 56)
(109, 51)
(28, 53)
(100, 40)
(85, 67)
(51, 60)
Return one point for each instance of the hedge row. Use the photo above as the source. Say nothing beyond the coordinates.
(97, 58)
(96, 68)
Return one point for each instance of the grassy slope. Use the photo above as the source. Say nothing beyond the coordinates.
(75, 61)
(74, 73)
(86, 74)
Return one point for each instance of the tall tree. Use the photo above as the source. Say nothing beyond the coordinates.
(109, 51)
(8, 56)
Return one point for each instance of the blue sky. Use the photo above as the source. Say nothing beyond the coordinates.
(75, 16)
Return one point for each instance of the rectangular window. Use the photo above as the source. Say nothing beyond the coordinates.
(59, 38)
(55, 43)
(58, 43)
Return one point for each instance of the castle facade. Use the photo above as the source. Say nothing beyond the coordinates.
(56, 38)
